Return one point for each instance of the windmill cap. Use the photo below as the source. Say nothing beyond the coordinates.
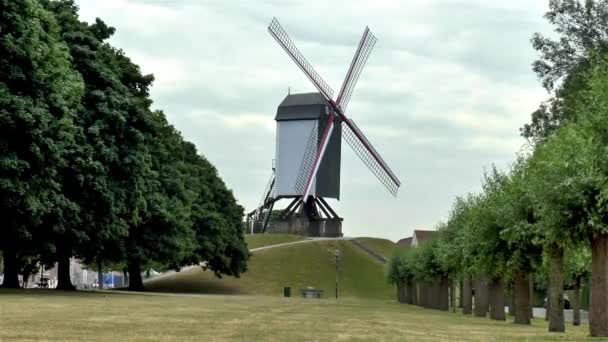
(306, 106)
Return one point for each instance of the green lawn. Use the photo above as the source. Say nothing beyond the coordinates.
(47, 315)
(296, 266)
(261, 240)
(383, 247)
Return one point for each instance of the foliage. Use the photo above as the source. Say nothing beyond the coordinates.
(87, 168)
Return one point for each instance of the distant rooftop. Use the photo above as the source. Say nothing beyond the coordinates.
(405, 242)
(423, 235)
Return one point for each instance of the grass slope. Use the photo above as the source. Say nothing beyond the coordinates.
(58, 316)
(296, 266)
(383, 247)
(261, 240)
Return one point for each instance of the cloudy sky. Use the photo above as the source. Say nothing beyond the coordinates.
(443, 94)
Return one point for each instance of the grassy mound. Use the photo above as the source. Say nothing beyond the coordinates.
(383, 247)
(296, 266)
(261, 240)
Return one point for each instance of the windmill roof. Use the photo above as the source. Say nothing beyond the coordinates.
(303, 99)
(306, 106)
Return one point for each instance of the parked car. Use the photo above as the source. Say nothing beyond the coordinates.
(566, 302)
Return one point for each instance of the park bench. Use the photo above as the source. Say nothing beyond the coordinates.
(311, 292)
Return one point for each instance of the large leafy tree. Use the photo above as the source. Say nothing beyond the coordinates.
(39, 94)
(164, 235)
(107, 177)
(217, 219)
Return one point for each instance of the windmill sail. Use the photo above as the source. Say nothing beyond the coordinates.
(352, 134)
(356, 66)
(370, 157)
(279, 34)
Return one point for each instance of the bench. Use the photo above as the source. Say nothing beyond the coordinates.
(311, 292)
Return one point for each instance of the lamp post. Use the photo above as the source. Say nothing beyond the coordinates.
(337, 254)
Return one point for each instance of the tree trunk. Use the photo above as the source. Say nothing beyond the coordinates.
(26, 278)
(576, 302)
(135, 281)
(497, 299)
(531, 295)
(598, 307)
(64, 281)
(401, 292)
(424, 291)
(481, 296)
(467, 298)
(511, 300)
(11, 269)
(521, 295)
(546, 301)
(556, 290)
(452, 285)
(99, 274)
(443, 302)
(125, 276)
(409, 291)
(437, 294)
(460, 291)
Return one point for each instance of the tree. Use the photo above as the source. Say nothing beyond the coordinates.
(217, 219)
(39, 93)
(588, 180)
(524, 241)
(577, 265)
(580, 28)
(164, 233)
(400, 274)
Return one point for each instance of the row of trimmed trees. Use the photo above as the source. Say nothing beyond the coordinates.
(88, 169)
(548, 213)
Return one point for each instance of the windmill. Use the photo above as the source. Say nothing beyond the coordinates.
(310, 128)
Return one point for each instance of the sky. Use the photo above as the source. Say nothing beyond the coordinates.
(442, 97)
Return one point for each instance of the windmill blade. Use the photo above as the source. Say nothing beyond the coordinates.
(370, 157)
(356, 66)
(329, 128)
(283, 39)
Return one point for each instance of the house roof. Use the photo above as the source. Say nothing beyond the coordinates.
(306, 106)
(405, 242)
(423, 235)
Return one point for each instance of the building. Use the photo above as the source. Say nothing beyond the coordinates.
(418, 236)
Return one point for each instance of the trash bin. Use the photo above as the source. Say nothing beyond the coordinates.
(287, 292)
